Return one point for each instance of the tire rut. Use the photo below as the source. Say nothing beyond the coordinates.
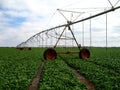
(35, 82)
(88, 83)
(81, 78)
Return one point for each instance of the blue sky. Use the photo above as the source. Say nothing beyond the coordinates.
(14, 21)
(21, 19)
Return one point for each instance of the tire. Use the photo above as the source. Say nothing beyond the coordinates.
(50, 54)
(84, 53)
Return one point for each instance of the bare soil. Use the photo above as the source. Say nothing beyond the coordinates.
(35, 82)
(88, 83)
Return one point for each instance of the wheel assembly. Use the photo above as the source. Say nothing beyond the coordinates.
(84, 53)
(50, 54)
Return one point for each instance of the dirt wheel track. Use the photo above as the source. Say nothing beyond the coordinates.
(88, 83)
(81, 78)
(35, 82)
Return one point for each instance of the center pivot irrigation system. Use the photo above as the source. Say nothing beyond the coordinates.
(57, 33)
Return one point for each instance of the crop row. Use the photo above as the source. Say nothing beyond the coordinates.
(17, 68)
(111, 64)
(102, 70)
(102, 77)
(58, 76)
(109, 59)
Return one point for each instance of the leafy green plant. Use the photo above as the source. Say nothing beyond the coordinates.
(102, 68)
(58, 76)
(18, 68)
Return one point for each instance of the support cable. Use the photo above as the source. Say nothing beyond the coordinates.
(46, 41)
(70, 11)
(51, 18)
(90, 34)
(116, 3)
(62, 14)
(83, 33)
(56, 34)
(80, 13)
(39, 41)
(77, 17)
(42, 41)
(65, 40)
(106, 33)
(51, 39)
(71, 17)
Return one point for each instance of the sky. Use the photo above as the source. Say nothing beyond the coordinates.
(21, 19)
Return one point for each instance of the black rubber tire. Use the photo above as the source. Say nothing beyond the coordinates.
(50, 54)
(84, 53)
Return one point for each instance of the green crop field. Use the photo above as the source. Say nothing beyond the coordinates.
(19, 67)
